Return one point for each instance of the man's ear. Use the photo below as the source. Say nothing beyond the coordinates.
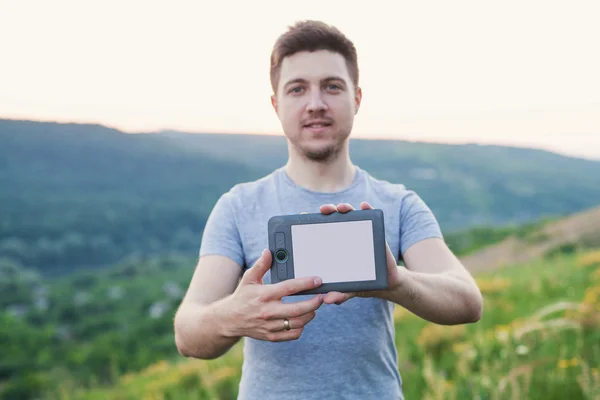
(357, 98)
(274, 102)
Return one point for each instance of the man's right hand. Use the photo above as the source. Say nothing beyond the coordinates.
(256, 310)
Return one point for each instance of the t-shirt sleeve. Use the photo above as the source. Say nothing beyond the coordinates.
(417, 222)
(221, 235)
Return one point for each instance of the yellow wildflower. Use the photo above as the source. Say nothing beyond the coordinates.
(573, 362)
(502, 333)
(399, 312)
(460, 347)
(591, 295)
(157, 368)
(494, 285)
(433, 334)
(502, 328)
(589, 260)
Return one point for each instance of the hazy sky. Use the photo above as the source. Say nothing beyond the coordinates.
(510, 72)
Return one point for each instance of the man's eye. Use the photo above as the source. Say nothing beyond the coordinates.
(333, 87)
(296, 89)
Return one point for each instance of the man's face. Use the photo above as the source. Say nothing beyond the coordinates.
(316, 102)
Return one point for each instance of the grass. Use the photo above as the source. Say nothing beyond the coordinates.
(539, 338)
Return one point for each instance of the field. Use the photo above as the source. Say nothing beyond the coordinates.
(539, 338)
(99, 233)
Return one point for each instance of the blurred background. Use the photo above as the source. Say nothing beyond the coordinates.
(121, 124)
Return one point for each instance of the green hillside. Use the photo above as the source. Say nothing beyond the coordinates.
(542, 345)
(81, 196)
(539, 338)
(465, 185)
(88, 327)
(86, 196)
(108, 333)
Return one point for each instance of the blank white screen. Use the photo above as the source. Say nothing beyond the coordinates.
(335, 251)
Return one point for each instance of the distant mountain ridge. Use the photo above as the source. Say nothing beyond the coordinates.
(75, 195)
(469, 184)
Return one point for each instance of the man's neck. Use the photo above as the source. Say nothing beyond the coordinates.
(325, 177)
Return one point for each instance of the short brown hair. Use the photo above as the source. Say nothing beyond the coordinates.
(312, 36)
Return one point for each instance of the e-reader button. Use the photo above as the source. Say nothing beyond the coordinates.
(282, 271)
(280, 240)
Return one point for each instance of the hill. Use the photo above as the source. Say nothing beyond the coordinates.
(581, 230)
(538, 339)
(465, 185)
(84, 196)
(87, 196)
(108, 334)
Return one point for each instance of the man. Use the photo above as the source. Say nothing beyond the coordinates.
(337, 345)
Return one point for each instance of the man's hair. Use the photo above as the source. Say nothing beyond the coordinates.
(312, 36)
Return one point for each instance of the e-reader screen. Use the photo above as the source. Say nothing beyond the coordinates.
(347, 250)
(335, 251)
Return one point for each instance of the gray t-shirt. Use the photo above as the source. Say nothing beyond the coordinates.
(347, 351)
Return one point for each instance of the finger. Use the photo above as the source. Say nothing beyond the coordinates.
(292, 286)
(328, 209)
(365, 206)
(337, 298)
(284, 336)
(259, 269)
(279, 311)
(344, 207)
(333, 297)
(277, 325)
(391, 260)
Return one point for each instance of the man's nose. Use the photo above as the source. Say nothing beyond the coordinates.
(316, 102)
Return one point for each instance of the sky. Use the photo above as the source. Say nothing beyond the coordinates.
(522, 73)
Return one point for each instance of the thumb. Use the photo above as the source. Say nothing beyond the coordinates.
(259, 269)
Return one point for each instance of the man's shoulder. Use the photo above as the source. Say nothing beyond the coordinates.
(386, 189)
(252, 190)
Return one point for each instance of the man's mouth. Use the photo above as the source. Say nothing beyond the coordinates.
(317, 125)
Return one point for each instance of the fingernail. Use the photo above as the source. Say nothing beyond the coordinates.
(318, 281)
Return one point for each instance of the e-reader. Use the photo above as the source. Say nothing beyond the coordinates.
(347, 250)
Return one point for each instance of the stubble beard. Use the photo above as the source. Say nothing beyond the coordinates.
(326, 154)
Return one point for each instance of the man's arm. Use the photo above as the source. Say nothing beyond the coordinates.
(435, 285)
(199, 331)
(217, 311)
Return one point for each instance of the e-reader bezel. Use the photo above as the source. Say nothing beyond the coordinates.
(282, 224)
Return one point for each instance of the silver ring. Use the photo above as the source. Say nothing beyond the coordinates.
(286, 324)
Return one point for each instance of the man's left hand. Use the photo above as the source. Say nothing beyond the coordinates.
(392, 266)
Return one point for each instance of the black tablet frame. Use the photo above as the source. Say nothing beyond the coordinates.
(281, 271)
